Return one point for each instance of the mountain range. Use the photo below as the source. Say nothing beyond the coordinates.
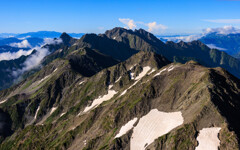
(226, 42)
(39, 34)
(123, 89)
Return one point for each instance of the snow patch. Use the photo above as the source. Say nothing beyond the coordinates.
(171, 68)
(81, 82)
(143, 73)
(118, 79)
(128, 126)
(85, 142)
(131, 76)
(62, 114)
(208, 139)
(165, 69)
(151, 71)
(132, 67)
(43, 79)
(55, 70)
(52, 110)
(47, 76)
(3, 101)
(138, 78)
(125, 91)
(152, 126)
(110, 86)
(100, 100)
(35, 117)
(159, 73)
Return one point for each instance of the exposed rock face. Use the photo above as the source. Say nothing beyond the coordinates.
(177, 52)
(205, 98)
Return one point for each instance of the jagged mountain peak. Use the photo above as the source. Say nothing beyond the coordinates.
(147, 58)
(67, 39)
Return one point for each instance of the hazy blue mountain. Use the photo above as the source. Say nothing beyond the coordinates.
(6, 48)
(47, 34)
(230, 43)
(33, 41)
(7, 41)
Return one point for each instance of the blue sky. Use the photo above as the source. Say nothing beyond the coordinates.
(85, 16)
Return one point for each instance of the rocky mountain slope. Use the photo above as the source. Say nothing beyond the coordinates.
(8, 67)
(89, 96)
(177, 52)
(145, 102)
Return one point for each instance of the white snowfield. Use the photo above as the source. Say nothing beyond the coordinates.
(100, 100)
(208, 139)
(3, 101)
(128, 126)
(35, 117)
(138, 78)
(152, 126)
(52, 110)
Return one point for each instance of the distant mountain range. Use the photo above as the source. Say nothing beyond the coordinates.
(39, 34)
(230, 43)
(123, 90)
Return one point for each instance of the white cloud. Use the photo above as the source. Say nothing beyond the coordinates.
(14, 55)
(213, 46)
(23, 38)
(223, 30)
(187, 38)
(52, 41)
(129, 22)
(23, 44)
(33, 61)
(154, 27)
(233, 21)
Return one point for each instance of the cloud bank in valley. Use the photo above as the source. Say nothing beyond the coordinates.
(23, 44)
(14, 55)
(35, 59)
(32, 61)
